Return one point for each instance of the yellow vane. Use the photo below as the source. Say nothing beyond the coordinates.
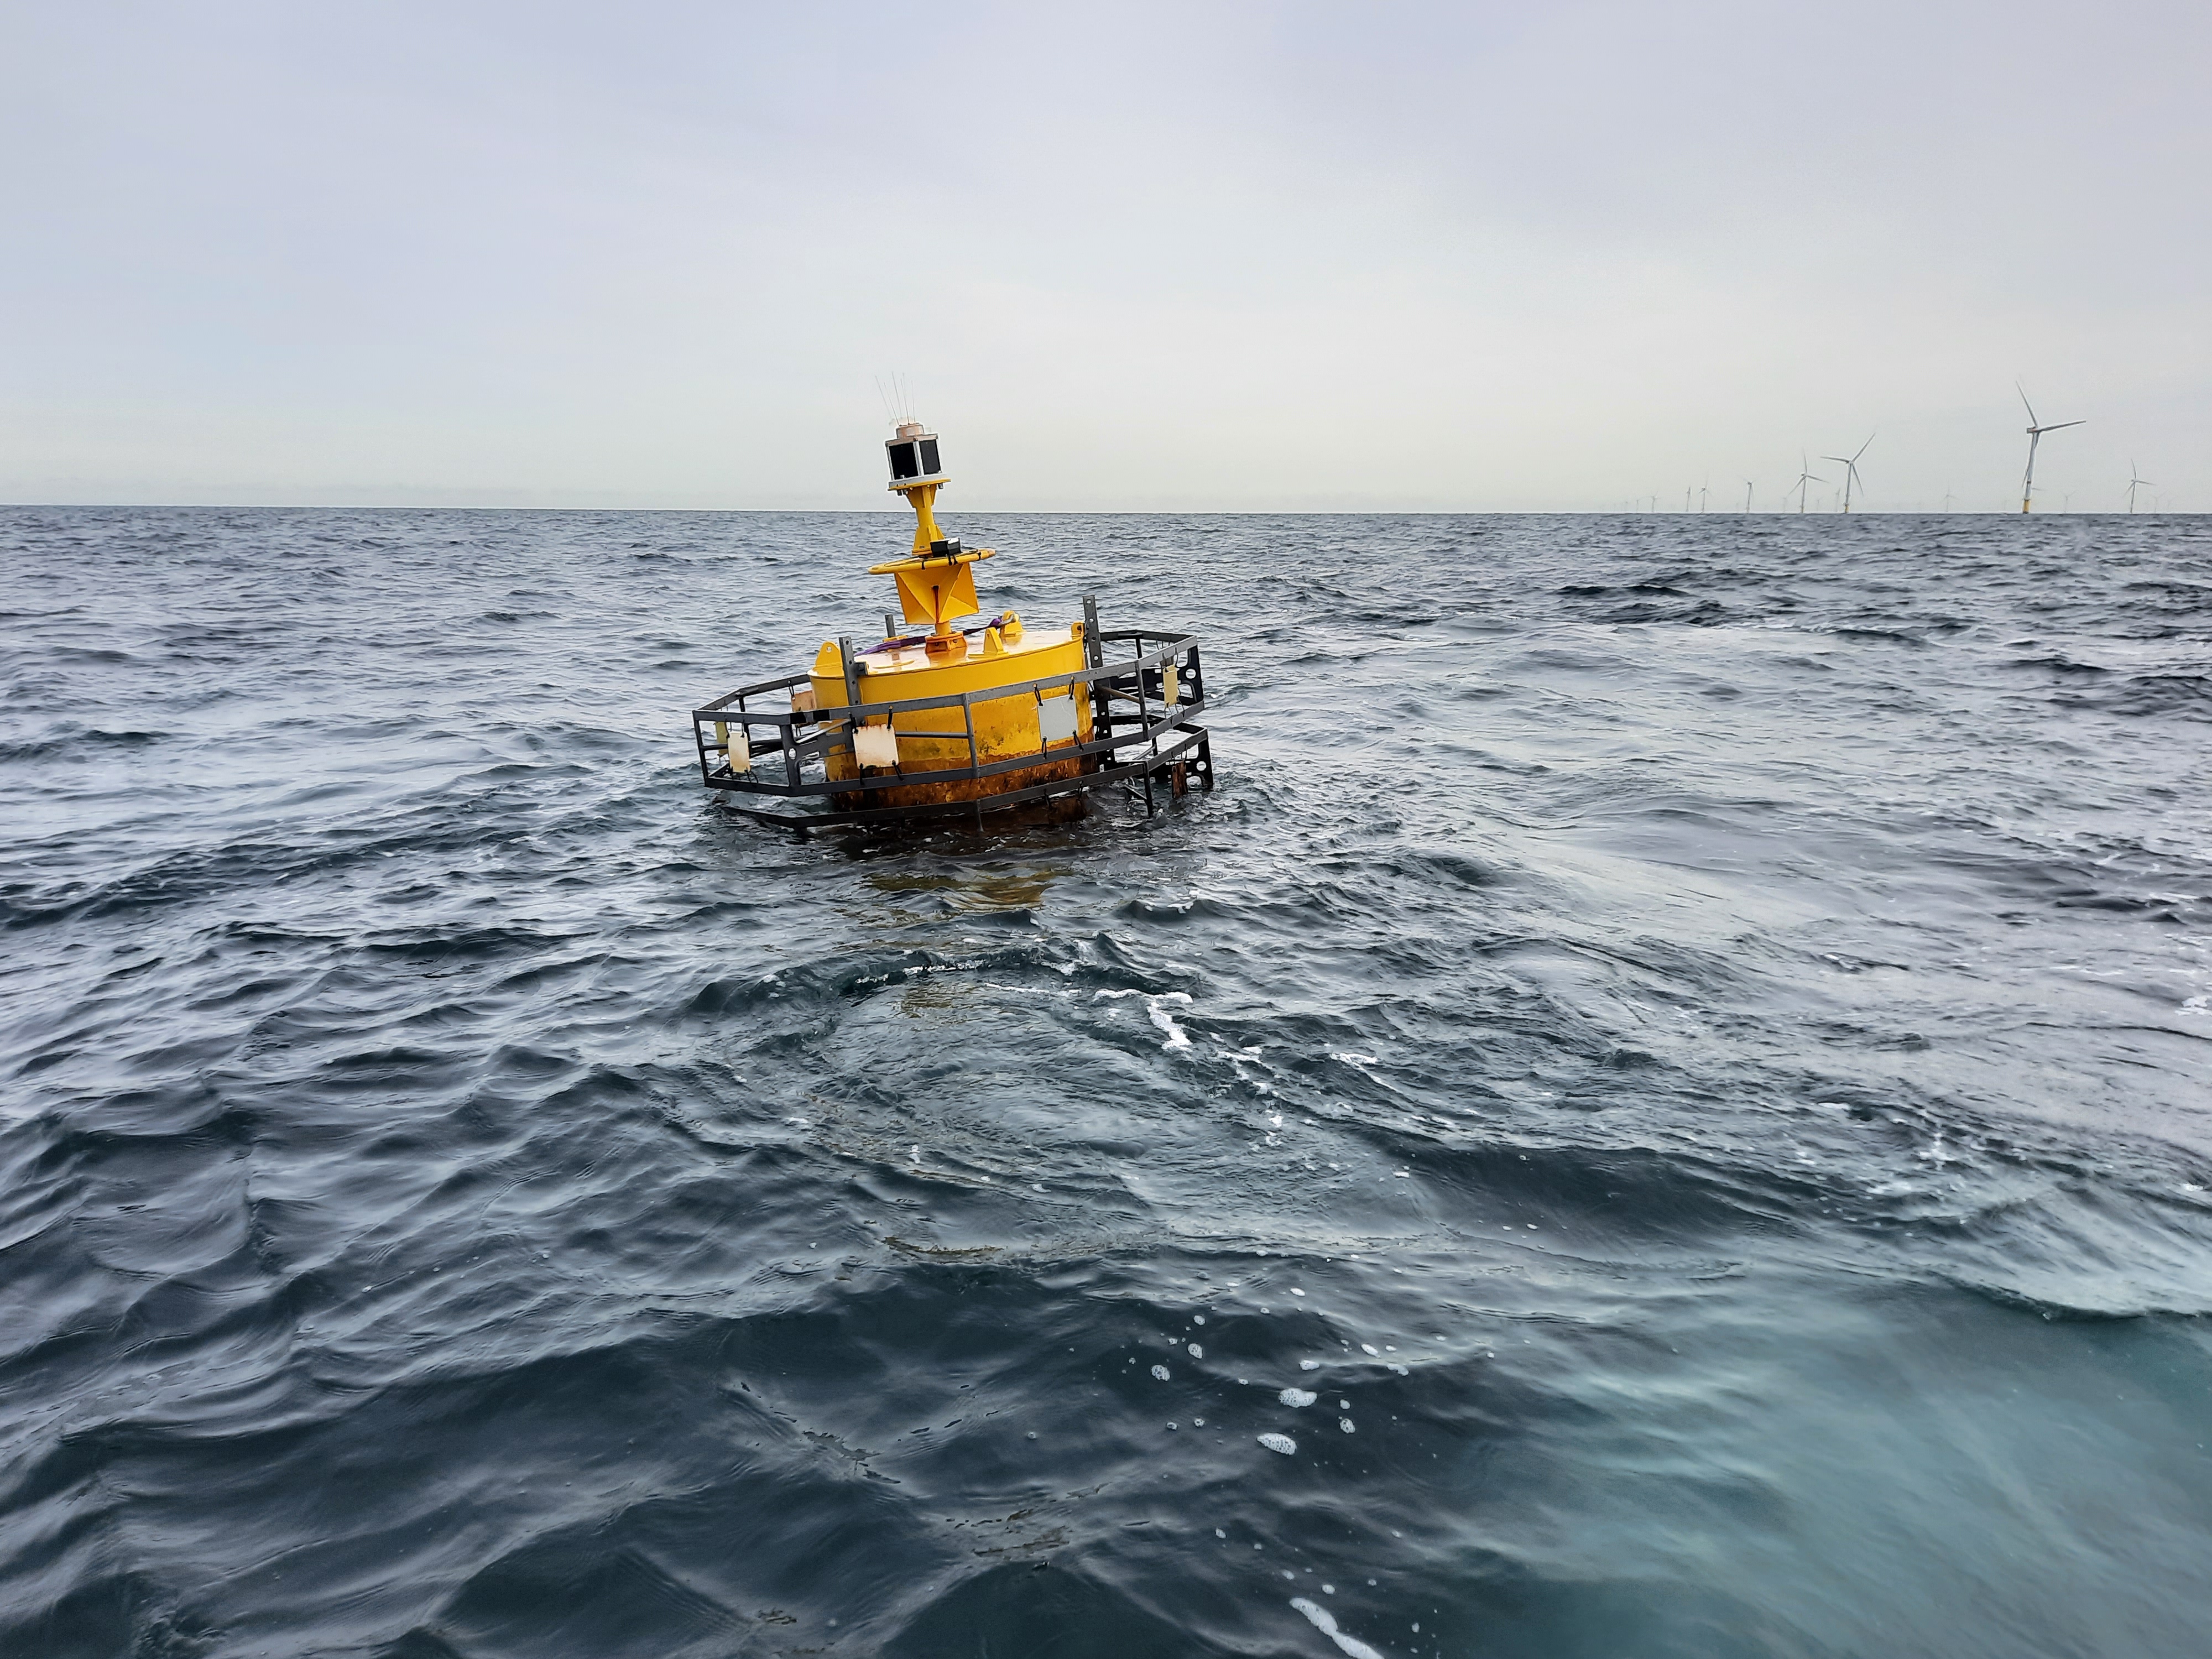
(935, 584)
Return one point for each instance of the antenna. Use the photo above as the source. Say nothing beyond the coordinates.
(1851, 463)
(2035, 432)
(2133, 483)
(1803, 479)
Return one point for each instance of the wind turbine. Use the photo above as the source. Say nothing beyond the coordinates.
(2132, 482)
(2035, 436)
(1747, 494)
(1803, 478)
(1850, 469)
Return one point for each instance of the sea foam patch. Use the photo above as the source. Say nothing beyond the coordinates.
(1325, 1621)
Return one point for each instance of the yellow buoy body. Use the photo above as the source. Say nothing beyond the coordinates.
(935, 740)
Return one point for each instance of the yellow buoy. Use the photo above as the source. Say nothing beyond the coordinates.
(960, 719)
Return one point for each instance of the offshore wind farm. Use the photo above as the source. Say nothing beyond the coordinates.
(1797, 497)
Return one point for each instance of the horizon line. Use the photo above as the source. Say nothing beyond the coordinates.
(1111, 511)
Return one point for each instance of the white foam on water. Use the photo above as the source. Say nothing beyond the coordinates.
(1280, 1442)
(1198, 1319)
(1196, 1352)
(1354, 1060)
(1297, 1398)
(1402, 1370)
(1325, 1621)
(1156, 1008)
(1296, 1291)
(1161, 1372)
(1345, 1422)
(1310, 1364)
(1367, 1347)
(1177, 1038)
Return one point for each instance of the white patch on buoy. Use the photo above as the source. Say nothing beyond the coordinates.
(1056, 718)
(875, 745)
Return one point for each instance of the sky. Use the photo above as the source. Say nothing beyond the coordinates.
(1195, 258)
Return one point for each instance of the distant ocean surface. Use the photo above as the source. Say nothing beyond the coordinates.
(1664, 1107)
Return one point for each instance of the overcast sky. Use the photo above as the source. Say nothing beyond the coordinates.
(1244, 258)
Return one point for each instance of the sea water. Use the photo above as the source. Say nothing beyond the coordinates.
(1660, 1107)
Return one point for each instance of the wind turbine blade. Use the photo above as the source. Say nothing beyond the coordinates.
(1864, 447)
(2061, 425)
(2023, 389)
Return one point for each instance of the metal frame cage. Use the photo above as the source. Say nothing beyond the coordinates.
(1130, 710)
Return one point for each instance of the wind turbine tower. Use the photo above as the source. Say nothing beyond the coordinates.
(2035, 432)
(1803, 479)
(1851, 463)
(2134, 483)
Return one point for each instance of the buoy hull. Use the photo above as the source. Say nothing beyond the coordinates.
(1007, 727)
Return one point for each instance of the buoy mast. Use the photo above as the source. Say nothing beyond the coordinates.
(936, 586)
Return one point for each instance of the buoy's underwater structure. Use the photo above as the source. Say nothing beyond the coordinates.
(958, 722)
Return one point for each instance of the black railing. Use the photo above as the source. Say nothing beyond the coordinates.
(1144, 705)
